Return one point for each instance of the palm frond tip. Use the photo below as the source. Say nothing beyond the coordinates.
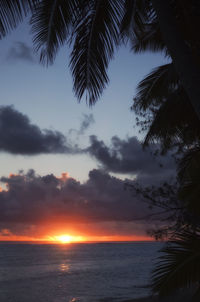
(95, 38)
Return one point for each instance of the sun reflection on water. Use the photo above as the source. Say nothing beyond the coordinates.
(64, 267)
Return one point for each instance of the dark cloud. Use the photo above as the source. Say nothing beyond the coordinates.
(32, 199)
(19, 136)
(129, 157)
(20, 51)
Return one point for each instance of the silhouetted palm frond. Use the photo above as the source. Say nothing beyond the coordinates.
(140, 26)
(12, 12)
(136, 14)
(95, 38)
(189, 178)
(175, 121)
(161, 99)
(156, 87)
(190, 161)
(149, 39)
(51, 23)
(179, 266)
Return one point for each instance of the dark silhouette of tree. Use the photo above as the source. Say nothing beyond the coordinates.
(189, 178)
(179, 266)
(177, 208)
(169, 118)
(171, 15)
(164, 110)
(94, 29)
(12, 13)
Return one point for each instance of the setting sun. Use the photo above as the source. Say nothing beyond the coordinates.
(66, 238)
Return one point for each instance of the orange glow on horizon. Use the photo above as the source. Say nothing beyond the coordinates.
(70, 233)
(66, 238)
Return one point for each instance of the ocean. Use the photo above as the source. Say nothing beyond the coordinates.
(97, 272)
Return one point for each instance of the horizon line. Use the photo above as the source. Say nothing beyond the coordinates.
(69, 243)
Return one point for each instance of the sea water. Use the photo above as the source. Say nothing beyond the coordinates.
(98, 272)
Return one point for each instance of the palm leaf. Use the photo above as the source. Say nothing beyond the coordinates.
(140, 25)
(149, 39)
(155, 87)
(188, 163)
(159, 95)
(189, 178)
(13, 12)
(181, 124)
(135, 16)
(179, 266)
(51, 23)
(95, 37)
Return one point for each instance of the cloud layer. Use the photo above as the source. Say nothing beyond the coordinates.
(20, 136)
(122, 156)
(128, 157)
(32, 199)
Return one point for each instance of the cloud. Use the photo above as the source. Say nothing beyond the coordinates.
(124, 156)
(128, 157)
(33, 199)
(20, 136)
(21, 51)
(87, 121)
(5, 233)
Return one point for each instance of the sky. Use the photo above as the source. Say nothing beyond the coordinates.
(65, 165)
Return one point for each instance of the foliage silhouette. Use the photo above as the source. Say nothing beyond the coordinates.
(96, 27)
(12, 13)
(165, 111)
(179, 266)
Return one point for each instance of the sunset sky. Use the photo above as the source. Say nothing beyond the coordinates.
(64, 165)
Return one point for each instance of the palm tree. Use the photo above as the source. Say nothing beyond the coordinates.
(169, 118)
(94, 27)
(179, 266)
(165, 110)
(162, 104)
(172, 24)
(189, 179)
(180, 51)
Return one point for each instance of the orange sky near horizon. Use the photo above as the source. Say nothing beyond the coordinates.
(69, 237)
(48, 240)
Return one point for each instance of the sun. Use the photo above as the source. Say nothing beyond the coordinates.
(66, 238)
